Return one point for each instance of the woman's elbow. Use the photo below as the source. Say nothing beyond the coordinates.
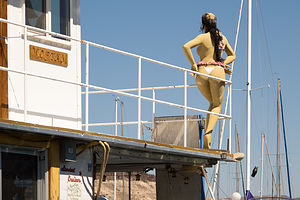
(185, 47)
(234, 56)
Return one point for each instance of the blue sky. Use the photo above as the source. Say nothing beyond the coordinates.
(158, 30)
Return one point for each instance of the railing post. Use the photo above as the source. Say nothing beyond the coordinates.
(153, 106)
(116, 115)
(229, 122)
(185, 110)
(25, 74)
(86, 87)
(139, 94)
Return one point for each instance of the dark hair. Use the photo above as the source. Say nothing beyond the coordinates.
(209, 24)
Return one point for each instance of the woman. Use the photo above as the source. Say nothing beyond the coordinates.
(210, 46)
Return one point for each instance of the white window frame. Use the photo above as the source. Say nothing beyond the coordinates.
(48, 38)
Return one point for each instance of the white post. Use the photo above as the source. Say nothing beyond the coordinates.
(139, 99)
(185, 110)
(229, 122)
(116, 133)
(116, 115)
(25, 74)
(249, 96)
(261, 165)
(153, 106)
(86, 88)
(115, 185)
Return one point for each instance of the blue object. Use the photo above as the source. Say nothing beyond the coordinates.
(249, 195)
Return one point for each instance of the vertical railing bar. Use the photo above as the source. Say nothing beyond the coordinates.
(116, 133)
(25, 74)
(139, 94)
(87, 88)
(116, 115)
(229, 122)
(185, 109)
(153, 107)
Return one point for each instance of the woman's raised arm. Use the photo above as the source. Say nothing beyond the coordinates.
(187, 50)
(230, 53)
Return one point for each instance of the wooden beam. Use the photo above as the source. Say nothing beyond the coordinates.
(24, 140)
(54, 170)
(3, 63)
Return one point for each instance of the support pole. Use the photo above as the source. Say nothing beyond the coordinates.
(116, 115)
(237, 163)
(249, 96)
(116, 133)
(139, 99)
(87, 88)
(229, 120)
(25, 74)
(54, 170)
(185, 110)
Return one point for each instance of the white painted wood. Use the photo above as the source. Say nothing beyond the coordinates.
(48, 102)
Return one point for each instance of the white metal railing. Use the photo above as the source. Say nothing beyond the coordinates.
(125, 92)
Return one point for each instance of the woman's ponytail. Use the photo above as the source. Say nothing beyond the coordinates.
(209, 21)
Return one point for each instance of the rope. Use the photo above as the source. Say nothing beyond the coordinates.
(227, 98)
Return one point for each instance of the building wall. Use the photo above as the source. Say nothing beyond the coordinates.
(47, 102)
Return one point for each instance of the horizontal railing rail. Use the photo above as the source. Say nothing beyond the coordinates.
(124, 91)
(110, 49)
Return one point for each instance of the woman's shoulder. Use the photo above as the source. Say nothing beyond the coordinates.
(203, 35)
(224, 39)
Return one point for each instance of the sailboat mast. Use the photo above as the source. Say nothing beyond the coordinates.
(248, 94)
(262, 165)
(278, 139)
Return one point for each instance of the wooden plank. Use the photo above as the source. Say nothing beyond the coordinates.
(24, 140)
(210, 151)
(54, 170)
(3, 63)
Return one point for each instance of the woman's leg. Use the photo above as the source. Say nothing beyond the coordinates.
(217, 92)
(203, 86)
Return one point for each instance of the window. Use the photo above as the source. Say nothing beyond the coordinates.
(36, 13)
(19, 176)
(37, 16)
(60, 16)
(23, 173)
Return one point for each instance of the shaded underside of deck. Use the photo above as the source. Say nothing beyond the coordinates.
(126, 154)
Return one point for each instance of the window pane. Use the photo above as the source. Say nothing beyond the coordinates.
(36, 13)
(19, 176)
(60, 16)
